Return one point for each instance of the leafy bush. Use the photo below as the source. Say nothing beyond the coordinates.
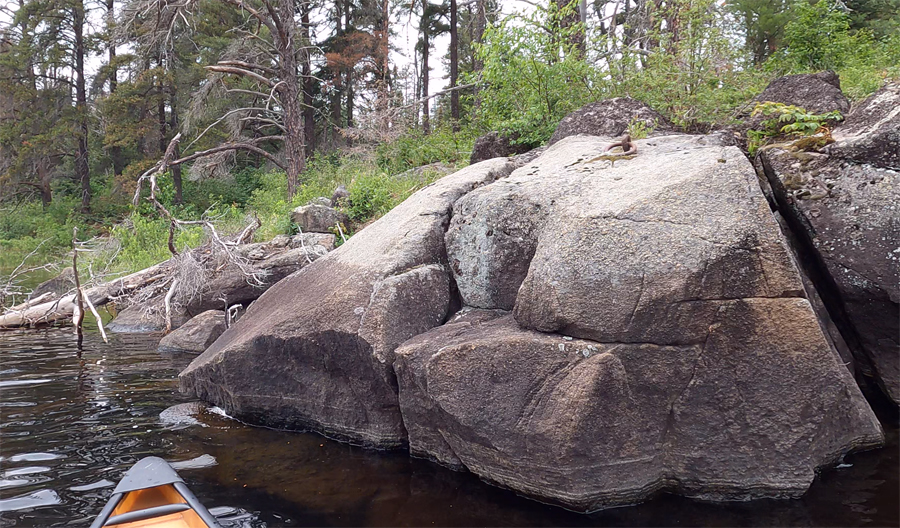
(416, 149)
(788, 120)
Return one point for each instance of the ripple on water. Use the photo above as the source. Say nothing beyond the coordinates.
(32, 457)
(94, 485)
(31, 500)
(20, 383)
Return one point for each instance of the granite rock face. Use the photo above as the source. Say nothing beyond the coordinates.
(610, 117)
(871, 133)
(751, 411)
(848, 215)
(627, 325)
(196, 335)
(317, 349)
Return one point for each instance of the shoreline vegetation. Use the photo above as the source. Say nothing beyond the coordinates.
(517, 77)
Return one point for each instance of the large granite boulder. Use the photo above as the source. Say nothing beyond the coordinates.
(196, 335)
(496, 145)
(847, 216)
(659, 338)
(317, 218)
(816, 92)
(751, 411)
(317, 349)
(610, 117)
(871, 133)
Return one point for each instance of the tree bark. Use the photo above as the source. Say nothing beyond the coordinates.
(454, 66)
(115, 152)
(309, 123)
(426, 121)
(173, 126)
(289, 89)
(82, 167)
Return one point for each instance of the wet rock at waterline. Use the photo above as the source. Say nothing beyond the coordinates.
(752, 411)
(196, 335)
(849, 217)
(316, 351)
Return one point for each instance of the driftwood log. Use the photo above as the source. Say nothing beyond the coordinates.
(35, 314)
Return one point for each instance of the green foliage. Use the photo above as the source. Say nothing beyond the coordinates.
(820, 36)
(416, 149)
(532, 78)
(787, 120)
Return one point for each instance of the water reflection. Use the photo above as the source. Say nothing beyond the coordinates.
(68, 440)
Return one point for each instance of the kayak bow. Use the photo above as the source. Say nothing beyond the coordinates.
(152, 495)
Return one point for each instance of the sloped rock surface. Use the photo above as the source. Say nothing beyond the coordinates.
(751, 411)
(871, 133)
(196, 335)
(317, 349)
(609, 117)
(849, 215)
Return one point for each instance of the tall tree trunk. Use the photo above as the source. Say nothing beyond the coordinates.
(454, 66)
(477, 41)
(173, 126)
(309, 123)
(115, 152)
(44, 174)
(289, 89)
(347, 7)
(82, 167)
(381, 65)
(426, 121)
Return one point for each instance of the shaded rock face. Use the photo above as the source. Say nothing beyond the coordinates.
(816, 92)
(609, 118)
(496, 145)
(658, 336)
(317, 349)
(871, 133)
(196, 335)
(849, 217)
(317, 218)
(59, 285)
(589, 425)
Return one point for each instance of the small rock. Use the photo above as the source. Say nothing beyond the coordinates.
(317, 218)
(196, 335)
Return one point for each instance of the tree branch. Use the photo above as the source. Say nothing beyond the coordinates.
(240, 71)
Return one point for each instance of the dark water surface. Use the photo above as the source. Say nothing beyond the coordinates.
(71, 425)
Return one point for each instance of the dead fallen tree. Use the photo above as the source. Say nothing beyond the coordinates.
(34, 313)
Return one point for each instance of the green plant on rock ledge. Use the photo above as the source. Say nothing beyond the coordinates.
(790, 120)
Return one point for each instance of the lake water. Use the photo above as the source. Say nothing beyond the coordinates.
(71, 423)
